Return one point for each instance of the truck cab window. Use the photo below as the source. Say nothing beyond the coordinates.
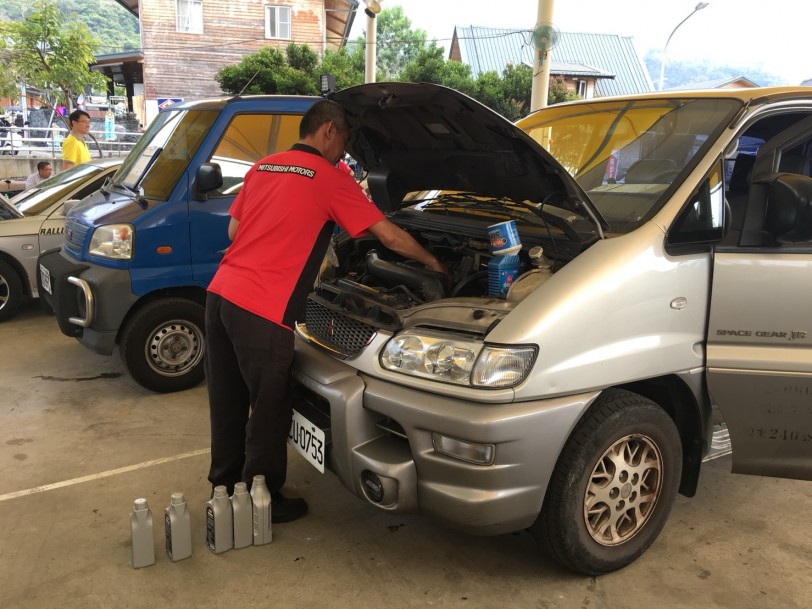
(248, 138)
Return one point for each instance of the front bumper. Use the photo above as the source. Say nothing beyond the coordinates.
(380, 427)
(89, 301)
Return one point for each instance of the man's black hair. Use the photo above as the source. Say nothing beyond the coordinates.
(76, 115)
(322, 112)
(43, 165)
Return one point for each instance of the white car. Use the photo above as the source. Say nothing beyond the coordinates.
(34, 221)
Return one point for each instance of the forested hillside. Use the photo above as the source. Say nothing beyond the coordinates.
(113, 25)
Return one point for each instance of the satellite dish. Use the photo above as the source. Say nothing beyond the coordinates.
(546, 36)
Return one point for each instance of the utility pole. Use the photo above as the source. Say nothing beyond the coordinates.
(541, 60)
(372, 10)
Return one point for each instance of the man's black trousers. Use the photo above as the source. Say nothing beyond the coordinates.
(247, 363)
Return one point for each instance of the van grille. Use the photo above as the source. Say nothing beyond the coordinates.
(338, 332)
(75, 233)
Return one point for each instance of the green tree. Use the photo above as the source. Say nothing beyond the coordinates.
(50, 53)
(429, 65)
(115, 27)
(272, 72)
(508, 93)
(346, 64)
(559, 92)
(398, 43)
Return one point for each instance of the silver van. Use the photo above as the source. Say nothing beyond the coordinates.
(656, 316)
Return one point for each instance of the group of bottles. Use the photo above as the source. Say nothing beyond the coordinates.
(231, 522)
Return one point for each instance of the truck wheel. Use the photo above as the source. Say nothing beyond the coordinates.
(613, 486)
(162, 345)
(11, 291)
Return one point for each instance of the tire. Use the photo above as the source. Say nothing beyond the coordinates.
(11, 291)
(162, 345)
(613, 486)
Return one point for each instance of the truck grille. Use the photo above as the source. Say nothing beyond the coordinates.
(342, 334)
(75, 236)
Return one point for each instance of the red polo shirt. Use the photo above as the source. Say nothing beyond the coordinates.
(287, 208)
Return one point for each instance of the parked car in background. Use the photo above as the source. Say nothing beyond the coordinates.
(34, 221)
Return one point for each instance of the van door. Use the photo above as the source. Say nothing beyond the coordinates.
(247, 139)
(759, 346)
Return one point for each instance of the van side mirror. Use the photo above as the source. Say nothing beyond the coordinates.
(209, 178)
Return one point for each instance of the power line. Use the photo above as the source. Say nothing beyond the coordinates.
(209, 47)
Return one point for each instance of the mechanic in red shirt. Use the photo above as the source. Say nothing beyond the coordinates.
(281, 224)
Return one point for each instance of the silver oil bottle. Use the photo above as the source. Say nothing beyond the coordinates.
(177, 527)
(142, 536)
(242, 513)
(219, 522)
(261, 499)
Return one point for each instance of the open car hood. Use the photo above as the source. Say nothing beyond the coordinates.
(420, 136)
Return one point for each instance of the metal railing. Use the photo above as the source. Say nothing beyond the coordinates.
(46, 142)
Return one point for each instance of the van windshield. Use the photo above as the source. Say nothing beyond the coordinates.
(627, 154)
(163, 152)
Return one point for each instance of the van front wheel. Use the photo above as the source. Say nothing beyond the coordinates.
(162, 345)
(613, 486)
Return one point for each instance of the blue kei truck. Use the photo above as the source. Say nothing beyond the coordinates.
(140, 252)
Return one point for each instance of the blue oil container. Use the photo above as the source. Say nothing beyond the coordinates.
(502, 272)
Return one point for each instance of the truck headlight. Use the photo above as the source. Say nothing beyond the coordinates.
(112, 241)
(456, 359)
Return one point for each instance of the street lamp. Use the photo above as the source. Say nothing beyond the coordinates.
(698, 7)
(372, 9)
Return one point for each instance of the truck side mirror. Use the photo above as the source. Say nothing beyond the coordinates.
(209, 178)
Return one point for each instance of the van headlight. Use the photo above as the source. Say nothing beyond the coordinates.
(112, 241)
(457, 360)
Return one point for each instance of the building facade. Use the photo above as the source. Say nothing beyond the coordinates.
(185, 42)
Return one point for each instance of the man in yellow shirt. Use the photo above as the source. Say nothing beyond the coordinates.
(74, 149)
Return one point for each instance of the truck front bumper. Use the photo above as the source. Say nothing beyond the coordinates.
(387, 443)
(89, 301)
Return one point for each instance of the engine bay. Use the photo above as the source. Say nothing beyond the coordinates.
(365, 279)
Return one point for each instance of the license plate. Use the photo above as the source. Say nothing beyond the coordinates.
(45, 276)
(308, 439)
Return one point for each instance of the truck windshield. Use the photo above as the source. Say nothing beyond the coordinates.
(171, 138)
(627, 154)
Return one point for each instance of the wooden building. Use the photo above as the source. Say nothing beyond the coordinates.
(185, 42)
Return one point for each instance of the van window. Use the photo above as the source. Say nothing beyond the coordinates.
(701, 221)
(249, 138)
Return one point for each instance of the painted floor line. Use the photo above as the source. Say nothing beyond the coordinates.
(100, 475)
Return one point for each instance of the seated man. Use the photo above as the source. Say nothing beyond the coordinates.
(43, 172)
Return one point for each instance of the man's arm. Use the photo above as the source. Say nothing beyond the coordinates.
(232, 228)
(399, 241)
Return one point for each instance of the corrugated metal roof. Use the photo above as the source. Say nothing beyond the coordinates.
(486, 49)
(577, 69)
(721, 83)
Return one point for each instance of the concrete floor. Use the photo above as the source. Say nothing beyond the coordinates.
(78, 439)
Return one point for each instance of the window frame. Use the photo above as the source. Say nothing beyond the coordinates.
(193, 16)
(276, 10)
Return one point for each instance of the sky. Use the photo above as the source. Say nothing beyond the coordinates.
(772, 35)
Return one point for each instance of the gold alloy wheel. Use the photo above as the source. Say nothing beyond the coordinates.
(623, 490)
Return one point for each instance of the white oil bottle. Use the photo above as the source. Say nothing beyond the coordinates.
(242, 514)
(177, 527)
(142, 536)
(261, 498)
(219, 521)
